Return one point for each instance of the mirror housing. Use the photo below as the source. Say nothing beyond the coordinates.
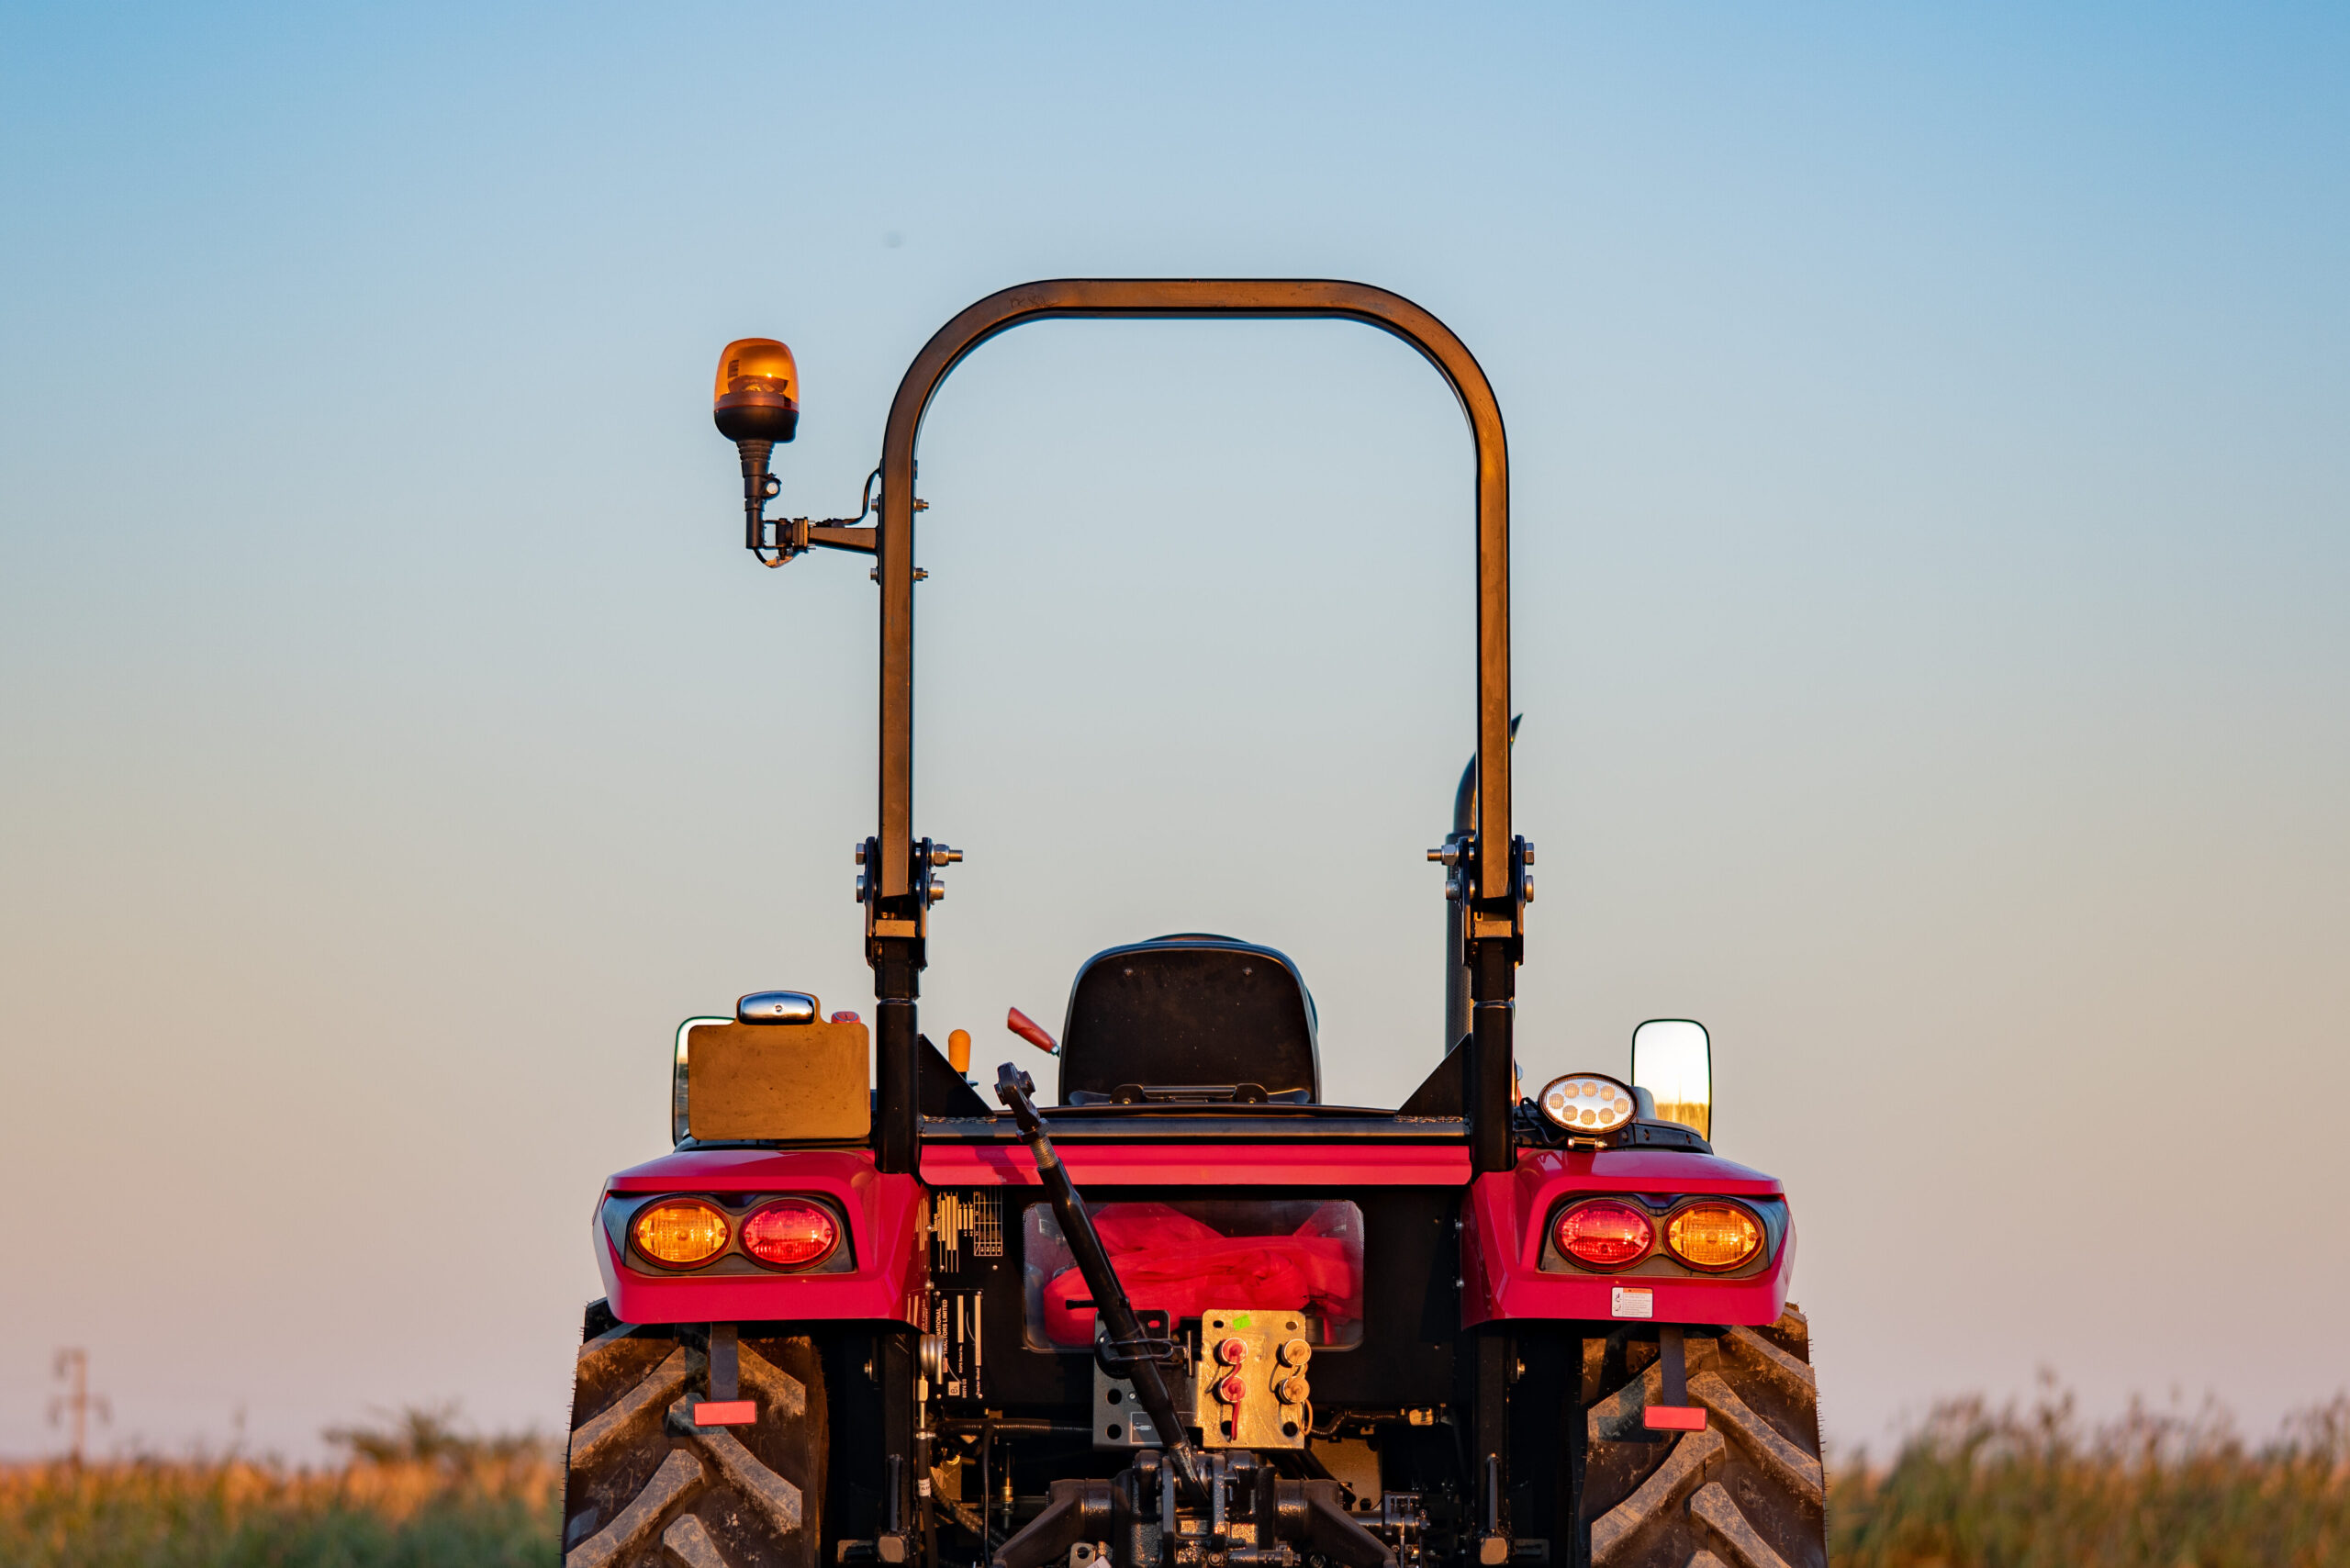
(1673, 1058)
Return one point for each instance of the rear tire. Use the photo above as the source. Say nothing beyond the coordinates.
(645, 1488)
(1748, 1492)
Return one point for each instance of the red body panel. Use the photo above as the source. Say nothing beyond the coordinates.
(1501, 1241)
(888, 1234)
(1501, 1238)
(1204, 1165)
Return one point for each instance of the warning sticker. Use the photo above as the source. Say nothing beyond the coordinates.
(1624, 1301)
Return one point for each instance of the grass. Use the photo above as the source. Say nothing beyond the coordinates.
(415, 1495)
(1972, 1488)
(1975, 1487)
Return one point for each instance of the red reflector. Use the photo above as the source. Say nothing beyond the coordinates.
(792, 1234)
(1673, 1418)
(1605, 1234)
(740, 1413)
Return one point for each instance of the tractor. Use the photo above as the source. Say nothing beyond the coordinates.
(1187, 1314)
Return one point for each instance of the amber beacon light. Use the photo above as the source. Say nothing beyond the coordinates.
(757, 404)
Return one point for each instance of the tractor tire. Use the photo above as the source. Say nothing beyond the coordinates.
(645, 1488)
(1748, 1492)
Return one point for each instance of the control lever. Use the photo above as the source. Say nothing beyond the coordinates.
(1013, 1088)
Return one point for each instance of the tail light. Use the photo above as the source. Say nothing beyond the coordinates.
(1605, 1234)
(793, 1234)
(1713, 1235)
(680, 1233)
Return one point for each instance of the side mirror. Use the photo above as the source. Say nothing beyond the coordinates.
(1673, 1060)
(680, 1080)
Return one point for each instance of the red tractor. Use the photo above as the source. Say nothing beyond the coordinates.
(1189, 1316)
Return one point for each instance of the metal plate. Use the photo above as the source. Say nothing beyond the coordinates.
(1263, 1419)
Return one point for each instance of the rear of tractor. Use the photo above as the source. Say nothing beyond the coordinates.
(1189, 1314)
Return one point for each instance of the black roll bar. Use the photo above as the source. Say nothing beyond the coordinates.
(1492, 891)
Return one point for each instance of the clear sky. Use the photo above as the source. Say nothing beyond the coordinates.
(1930, 437)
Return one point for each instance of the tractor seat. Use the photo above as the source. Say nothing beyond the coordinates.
(1190, 1019)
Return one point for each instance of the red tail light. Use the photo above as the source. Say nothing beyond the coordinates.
(793, 1234)
(1605, 1234)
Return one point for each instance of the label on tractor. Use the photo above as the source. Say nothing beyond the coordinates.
(1626, 1302)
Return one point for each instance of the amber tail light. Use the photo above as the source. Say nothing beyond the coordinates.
(680, 1233)
(1713, 1235)
(1605, 1234)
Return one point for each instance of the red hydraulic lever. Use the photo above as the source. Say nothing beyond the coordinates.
(1028, 1029)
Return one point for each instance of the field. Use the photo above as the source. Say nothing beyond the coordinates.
(2035, 1488)
(1972, 1488)
(416, 1494)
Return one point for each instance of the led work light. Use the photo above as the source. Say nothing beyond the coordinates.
(1587, 1103)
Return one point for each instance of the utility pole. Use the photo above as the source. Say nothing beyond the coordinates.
(72, 1366)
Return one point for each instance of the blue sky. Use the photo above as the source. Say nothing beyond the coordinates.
(1933, 534)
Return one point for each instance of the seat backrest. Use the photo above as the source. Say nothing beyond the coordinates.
(1188, 1018)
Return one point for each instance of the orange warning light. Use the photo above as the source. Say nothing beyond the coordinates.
(756, 397)
(1713, 1235)
(680, 1233)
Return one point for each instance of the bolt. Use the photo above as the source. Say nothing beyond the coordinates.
(1294, 1391)
(859, 852)
(1233, 1351)
(937, 889)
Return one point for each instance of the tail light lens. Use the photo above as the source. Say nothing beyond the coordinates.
(1605, 1234)
(680, 1233)
(1713, 1235)
(793, 1234)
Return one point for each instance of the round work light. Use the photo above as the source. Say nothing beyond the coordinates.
(680, 1233)
(793, 1234)
(1603, 1234)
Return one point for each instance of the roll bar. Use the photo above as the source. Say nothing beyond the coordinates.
(1491, 888)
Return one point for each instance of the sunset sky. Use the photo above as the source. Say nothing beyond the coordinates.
(1930, 449)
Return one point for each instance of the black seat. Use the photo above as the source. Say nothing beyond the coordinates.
(1188, 1018)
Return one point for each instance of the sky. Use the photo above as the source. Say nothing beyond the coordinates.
(1932, 541)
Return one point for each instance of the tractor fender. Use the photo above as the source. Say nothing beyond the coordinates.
(889, 1241)
(1503, 1215)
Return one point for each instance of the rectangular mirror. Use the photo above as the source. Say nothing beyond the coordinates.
(1673, 1060)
